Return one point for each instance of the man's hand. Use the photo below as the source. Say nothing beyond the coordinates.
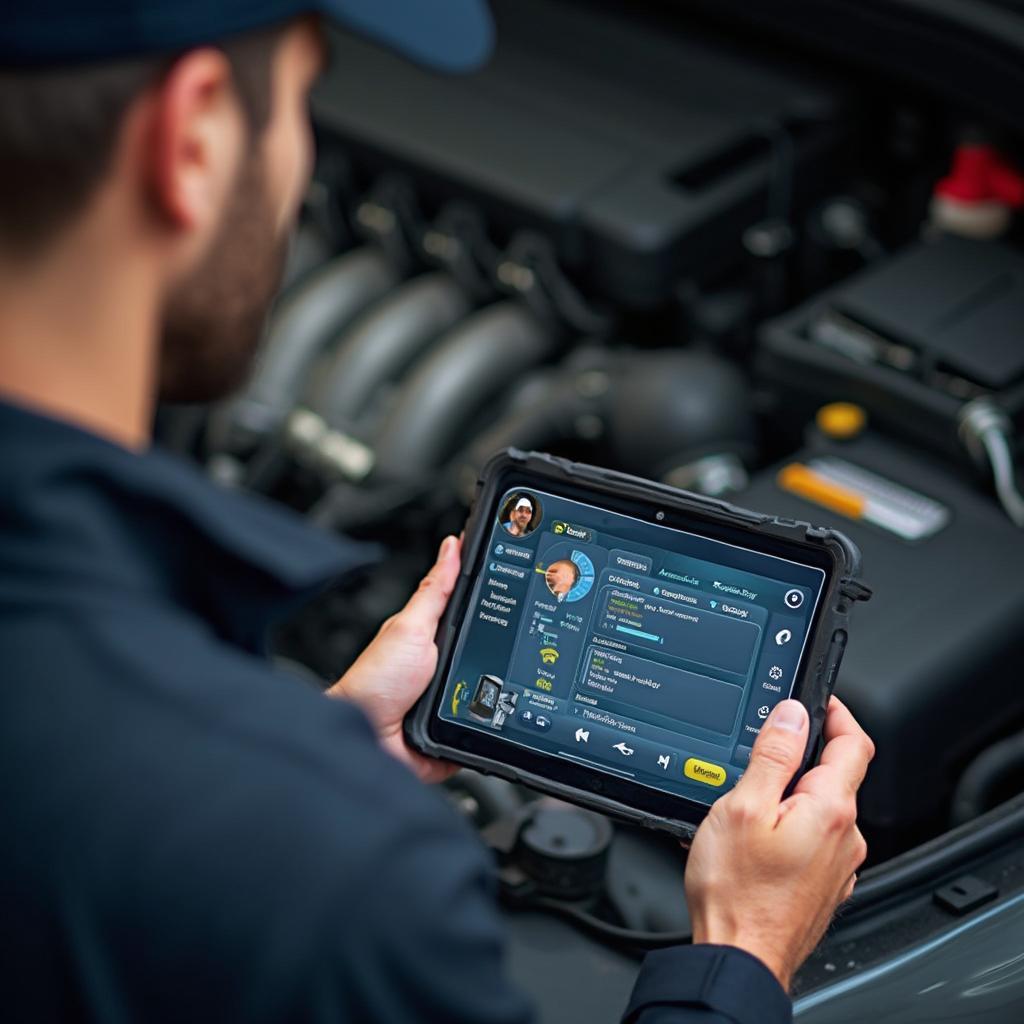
(391, 674)
(767, 874)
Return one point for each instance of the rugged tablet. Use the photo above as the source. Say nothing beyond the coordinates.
(618, 643)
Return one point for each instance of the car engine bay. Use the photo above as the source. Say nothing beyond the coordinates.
(662, 239)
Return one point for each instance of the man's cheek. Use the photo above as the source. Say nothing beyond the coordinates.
(291, 162)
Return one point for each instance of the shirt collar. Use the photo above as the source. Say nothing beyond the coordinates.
(84, 519)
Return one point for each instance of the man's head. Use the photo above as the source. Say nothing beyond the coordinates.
(201, 157)
(522, 513)
(214, 311)
(180, 135)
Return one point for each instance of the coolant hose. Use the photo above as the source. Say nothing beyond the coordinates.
(981, 780)
(551, 417)
(550, 407)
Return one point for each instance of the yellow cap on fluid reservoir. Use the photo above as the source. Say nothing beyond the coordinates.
(841, 420)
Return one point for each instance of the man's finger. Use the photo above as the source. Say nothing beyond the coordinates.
(841, 774)
(840, 722)
(427, 605)
(848, 751)
(776, 755)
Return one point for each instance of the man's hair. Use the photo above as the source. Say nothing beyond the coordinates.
(59, 127)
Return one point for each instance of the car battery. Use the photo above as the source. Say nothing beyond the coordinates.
(933, 664)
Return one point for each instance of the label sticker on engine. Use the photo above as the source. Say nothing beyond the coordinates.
(858, 493)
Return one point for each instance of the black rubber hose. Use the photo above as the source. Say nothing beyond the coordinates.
(613, 933)
(307, 320)
(926, 863)
(983, 776)
(464, 372)
(551, 413)
(924, 866)
(668, 407)
(551, 417)
(381, 344)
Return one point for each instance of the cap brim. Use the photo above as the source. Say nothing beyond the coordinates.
(448, 35)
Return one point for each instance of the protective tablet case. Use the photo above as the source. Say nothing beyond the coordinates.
(813, 686)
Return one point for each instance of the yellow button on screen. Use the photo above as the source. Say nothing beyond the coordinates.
(704, 771)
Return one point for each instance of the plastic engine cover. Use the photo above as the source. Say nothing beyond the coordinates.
(933, 664)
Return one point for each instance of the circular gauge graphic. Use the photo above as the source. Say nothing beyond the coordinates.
(569, 575)
(586, 576)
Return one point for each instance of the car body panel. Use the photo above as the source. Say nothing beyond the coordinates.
(973, 972)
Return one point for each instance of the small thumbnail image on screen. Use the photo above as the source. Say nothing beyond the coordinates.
(490, 702)
(520, 514)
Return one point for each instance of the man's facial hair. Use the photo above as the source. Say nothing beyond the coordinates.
(213, 321)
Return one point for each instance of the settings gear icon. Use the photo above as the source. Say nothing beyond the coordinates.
(775, 672)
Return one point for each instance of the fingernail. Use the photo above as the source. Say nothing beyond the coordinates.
(790, 715)
(446, 547)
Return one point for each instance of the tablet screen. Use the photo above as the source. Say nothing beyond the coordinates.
(641, 651)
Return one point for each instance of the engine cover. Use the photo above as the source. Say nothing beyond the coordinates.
(933, 665)
(642, 152)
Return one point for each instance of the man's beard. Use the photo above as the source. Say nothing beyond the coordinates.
(213, 321)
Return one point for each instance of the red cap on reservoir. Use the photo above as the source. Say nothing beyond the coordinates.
(980, 174)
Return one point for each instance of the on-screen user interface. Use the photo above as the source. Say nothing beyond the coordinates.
(638, 650)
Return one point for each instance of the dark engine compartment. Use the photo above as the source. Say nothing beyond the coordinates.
(661, 240)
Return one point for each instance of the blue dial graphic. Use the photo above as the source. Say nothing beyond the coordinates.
(586, 580)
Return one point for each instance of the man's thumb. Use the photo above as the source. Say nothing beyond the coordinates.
(777, 753)
(427, 605)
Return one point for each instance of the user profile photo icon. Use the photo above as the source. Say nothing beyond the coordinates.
(520, 514)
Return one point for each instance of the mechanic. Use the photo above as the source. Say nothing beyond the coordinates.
(518, 523)
(191, 834)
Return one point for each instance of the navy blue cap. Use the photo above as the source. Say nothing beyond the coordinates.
(450, 35)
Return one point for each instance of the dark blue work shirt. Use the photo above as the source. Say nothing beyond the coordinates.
(190, 835)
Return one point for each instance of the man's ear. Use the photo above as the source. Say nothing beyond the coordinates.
(196, 139)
